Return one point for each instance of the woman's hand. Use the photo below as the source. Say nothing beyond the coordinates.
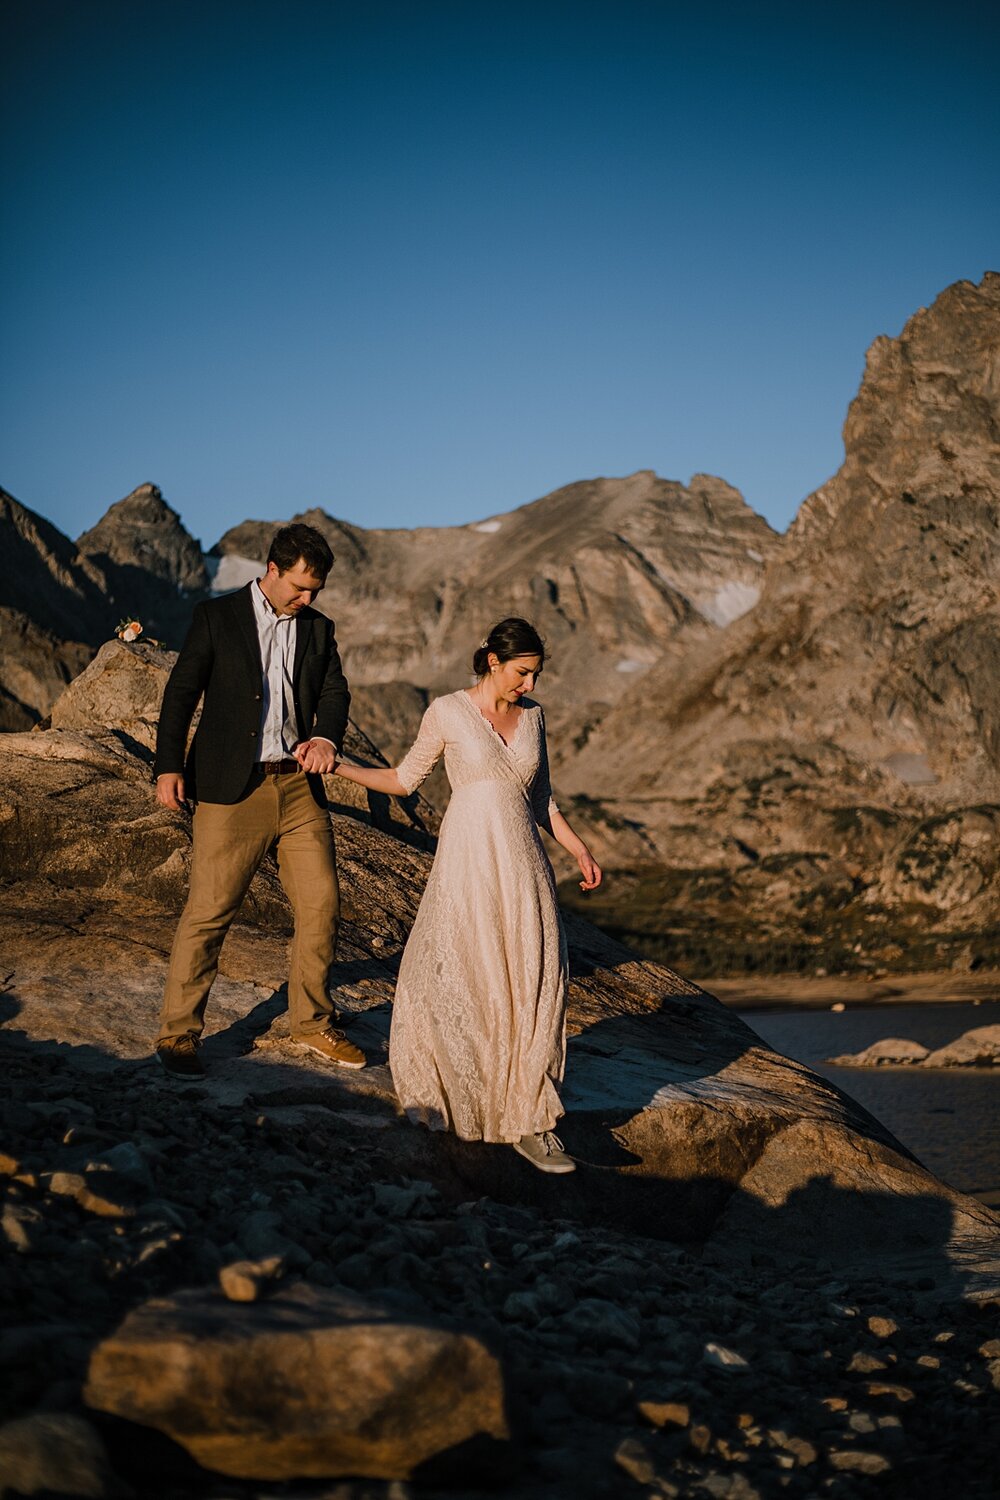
(590, 870)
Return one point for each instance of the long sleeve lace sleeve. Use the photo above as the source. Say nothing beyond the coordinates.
(543, 804)
(423, 755)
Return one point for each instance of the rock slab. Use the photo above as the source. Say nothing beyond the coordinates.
(310, 1384)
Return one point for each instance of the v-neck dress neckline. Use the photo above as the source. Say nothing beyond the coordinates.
(507, 744)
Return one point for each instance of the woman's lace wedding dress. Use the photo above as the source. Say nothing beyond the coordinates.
(478, 1030)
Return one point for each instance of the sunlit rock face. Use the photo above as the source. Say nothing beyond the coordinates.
(59, 600)
(616, 574)
(53, 611)
(823, 775)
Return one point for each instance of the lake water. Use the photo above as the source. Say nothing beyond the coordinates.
(948, 1117)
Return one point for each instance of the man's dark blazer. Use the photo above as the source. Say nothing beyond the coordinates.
(221, 659)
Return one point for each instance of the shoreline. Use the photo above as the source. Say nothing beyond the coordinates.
(805, 992)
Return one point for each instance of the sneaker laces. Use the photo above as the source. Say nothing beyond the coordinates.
(552, 1144)
(187, 1043)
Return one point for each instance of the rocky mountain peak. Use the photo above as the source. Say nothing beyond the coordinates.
(143, 532)
(837, 749)
(32, 547)
(922, 430)
(53, 609)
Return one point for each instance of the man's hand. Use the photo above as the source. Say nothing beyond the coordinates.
(170, 791)
(318, 757)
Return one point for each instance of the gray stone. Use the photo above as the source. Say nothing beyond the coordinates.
(261, 1237)
(858, 1461)
(22, 1225)
(601, 1324)
(719, 1357)
(634, 1458)
(54, 1453)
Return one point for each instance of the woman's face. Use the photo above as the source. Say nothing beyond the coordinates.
(513, 678)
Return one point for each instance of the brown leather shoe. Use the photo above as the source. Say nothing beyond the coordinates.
(179, 1056)
(334, 1046)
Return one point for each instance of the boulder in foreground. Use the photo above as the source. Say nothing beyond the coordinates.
(309, 1384)
(56, 1453)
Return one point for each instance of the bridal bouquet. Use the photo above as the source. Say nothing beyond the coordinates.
(129, 630)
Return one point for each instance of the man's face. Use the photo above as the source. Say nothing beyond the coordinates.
(291, 591)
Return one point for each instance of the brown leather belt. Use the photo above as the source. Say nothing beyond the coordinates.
(276, 767)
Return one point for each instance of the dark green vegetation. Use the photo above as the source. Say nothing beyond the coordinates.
(717, 922)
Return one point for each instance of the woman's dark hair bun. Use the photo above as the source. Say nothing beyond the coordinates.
(509, 638)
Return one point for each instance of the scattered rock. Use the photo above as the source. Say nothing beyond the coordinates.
(98, 1192)
(886, 1388)
(665, 1413)
(858, 1461)
(261, 1237)
(244, 1280)
(863, 1363)
(700, 1437)
(633, 1456)
(882, 1327)
(803, 1452)
(721, 1358)
(601, 1323)
(22, 1226)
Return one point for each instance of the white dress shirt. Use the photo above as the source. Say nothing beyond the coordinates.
(276, 633)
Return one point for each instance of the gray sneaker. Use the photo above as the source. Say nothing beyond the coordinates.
(545, 1151)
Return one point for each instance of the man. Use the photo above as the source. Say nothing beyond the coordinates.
(273, 720)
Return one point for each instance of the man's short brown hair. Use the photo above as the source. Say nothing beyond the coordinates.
(299, 540)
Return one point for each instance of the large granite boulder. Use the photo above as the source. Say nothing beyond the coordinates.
(308, 1383)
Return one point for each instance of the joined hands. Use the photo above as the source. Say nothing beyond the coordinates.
(318, 757)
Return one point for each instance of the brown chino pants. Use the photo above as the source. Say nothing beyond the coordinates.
(230, 841)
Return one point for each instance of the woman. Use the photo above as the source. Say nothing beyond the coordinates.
(478, 1042)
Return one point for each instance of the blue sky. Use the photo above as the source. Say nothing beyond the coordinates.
(421, 262)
